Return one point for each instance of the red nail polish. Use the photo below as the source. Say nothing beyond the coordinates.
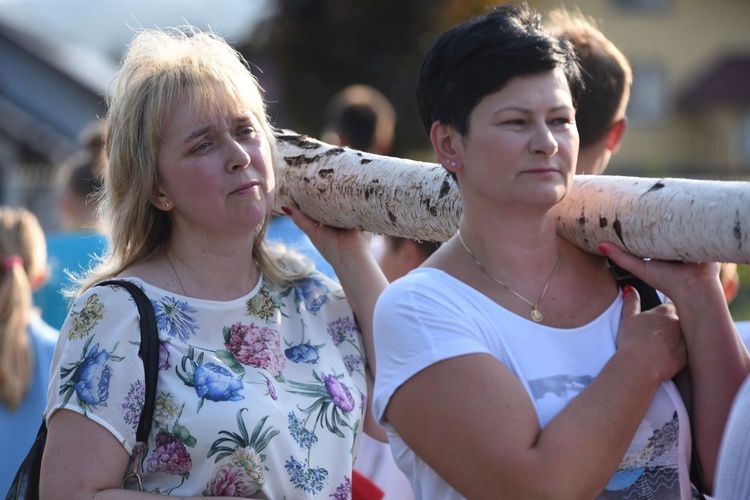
(626, 290)
(286, 210)
(603, 249)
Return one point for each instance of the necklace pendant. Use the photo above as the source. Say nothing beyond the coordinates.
(537, 316)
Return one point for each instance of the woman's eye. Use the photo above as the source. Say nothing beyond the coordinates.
(201, 147)
(247, 131)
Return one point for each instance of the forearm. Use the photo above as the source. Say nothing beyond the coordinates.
(718, 363)
(592, 434)
(363, 282)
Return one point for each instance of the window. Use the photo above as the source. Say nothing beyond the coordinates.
(648, 103)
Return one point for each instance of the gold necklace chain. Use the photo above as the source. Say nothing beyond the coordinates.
(166, 254)
(536, 314)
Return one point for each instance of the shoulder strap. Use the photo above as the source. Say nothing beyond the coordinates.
(149, 352)
(649, 297)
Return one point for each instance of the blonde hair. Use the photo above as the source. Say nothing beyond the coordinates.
(23, 257)
(158, 69)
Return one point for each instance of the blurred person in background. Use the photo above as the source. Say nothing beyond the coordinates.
(80, 242)
(27, 343)
(607, 78)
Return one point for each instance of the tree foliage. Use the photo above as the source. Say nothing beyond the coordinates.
(307, 50)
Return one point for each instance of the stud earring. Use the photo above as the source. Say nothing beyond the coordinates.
(166, 204)
(453, 164)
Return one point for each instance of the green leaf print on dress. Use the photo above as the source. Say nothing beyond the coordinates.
(89, 377)
(244, 474)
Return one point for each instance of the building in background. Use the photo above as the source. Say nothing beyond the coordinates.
(50, 91)
(689, 112)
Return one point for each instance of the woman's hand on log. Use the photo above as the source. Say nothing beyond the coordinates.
(682, 282)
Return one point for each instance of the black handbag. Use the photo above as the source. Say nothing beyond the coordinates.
(25, 484)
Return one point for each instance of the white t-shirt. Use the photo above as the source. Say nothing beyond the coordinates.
(429, 316)
(259, 397)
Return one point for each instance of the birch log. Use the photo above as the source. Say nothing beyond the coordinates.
(670, 219)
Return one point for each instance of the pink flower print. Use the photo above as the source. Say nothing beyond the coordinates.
(255, 346)
(339, 393)
(170, 456)
(231, 480)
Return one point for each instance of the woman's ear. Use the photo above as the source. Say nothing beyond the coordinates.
(161, 201)
(442, 137)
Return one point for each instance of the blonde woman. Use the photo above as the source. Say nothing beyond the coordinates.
(26, 341)
(263, 384)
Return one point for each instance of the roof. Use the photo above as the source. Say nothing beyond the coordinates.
(726, 82)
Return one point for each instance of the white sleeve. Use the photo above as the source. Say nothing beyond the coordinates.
(418, 322)
(733, 469)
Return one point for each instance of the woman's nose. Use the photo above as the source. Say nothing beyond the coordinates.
(543, 141)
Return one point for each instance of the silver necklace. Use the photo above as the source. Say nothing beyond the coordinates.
(166, 254)
(536, 314)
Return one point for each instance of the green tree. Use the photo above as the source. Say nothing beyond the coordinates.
(309, 49)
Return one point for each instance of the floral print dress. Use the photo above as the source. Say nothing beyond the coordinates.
(259, 397)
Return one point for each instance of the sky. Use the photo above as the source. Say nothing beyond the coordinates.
(106, 26)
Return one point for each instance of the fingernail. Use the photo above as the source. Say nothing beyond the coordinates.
(286, 210)
(626, 290)
(603, 249)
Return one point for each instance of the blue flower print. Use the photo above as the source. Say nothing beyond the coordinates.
(312, 293)
(305, 438)
(89, 377)
(216, 383)
(211, 381)
(92, 378)
(173, 317)
(305, 478)
(303, 353)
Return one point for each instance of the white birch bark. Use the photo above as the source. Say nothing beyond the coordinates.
(671, 219)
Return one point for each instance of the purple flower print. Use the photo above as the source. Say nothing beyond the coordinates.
(344, 491)
(231, 480)
(271, 389)
(342, 329)
(164, 363)
(339, 393)
(255, 346)
(170, 456)
(134, 403)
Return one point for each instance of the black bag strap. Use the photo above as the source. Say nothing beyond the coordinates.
(149, 352)
(649, 300)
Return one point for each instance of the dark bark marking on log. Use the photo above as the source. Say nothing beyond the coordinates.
(300, 141)
(430, 208)
(370, 190)
(391, 216)
(582, 221)
(445, 188)
(602, 222)
(333, 152)
(325, 173)
(617, 226)
(656, 187)
(364, 161)
(737, 230)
